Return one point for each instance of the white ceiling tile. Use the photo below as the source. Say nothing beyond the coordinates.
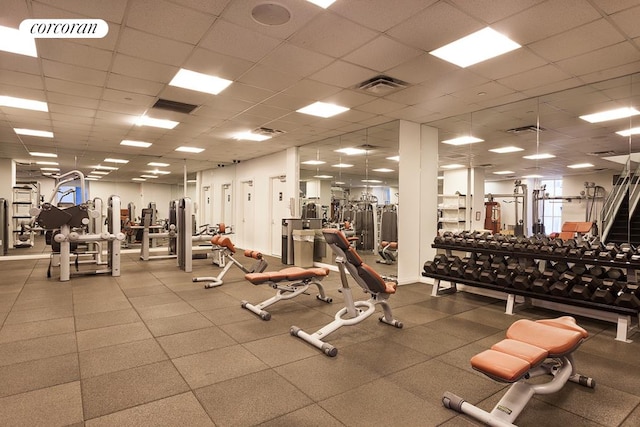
(435, 26)
(23, 92)
(60, 50)
(612, 6)
(376, 14)
(601, 59)
(112, 10)
(349, 98)
(121, 107)
(128, 98)
(72, 100)
(494, 10)
(71, 111)
(592, 36)
(19, 63)
(133, 85)
(140, 68)
(381, 106)
(546, 19)
(534, 78)
(612, 72)
(245, 92)
(58, 118)
(72, 73)
(268, 78)
(233, 40)
(332, 35)
(72, 88)
(343, 74)
(311, 89)
(18, 12)
(21, 79)
(381, 54)
(289, 58)
(168, 20)
(266, 111)
(421, 69)
(508, 64)
(184, 95)
(475, 94)
(213, 7)
(154, 48)
(627, 21)
(216, 64)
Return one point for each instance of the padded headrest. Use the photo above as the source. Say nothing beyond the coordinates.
(333, 236)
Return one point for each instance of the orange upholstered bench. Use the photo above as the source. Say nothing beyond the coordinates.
(531, 348)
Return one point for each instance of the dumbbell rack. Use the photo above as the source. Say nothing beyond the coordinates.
(626, 319)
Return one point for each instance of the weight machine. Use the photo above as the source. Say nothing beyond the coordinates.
(520, 199)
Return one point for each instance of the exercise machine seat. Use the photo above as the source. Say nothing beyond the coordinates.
(223, 241)
(289, 274)
(391, 245)
(570, 229)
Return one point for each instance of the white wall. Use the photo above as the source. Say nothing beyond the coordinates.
(507, 207)
(573, 186)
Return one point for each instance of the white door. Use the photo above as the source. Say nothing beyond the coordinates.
(206, 205)
(279, 210)
(248, 214)
(227, 205)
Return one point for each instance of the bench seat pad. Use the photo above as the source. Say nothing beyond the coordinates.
(289, 274)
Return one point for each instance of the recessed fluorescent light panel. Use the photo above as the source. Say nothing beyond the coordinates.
(504, 150)
(33, 132)
(539, 156)
(250, 136)
(580, 166)
(50, 169)
(339, 183)
(15, 41)
(477, 47)
(148, 176)
(394, 158)
(200, 82)
(323, 176)
(93, 177)
(108, 168)
(158, 123)
(351, 151)
(629, 132)
(99, 173)
(322, 109)
(503, 172)
(27, 104)
(138, 179)
(140, 144)
(190, 149)
(463, 140)
(322, 3)
(48, 163)
(371, 181)
(158, 164)
(37, 154)
(313, 162)
(121, 161)
(618, 113)
(157, 172)
(384, 170)
(452, 166)
(342, 165)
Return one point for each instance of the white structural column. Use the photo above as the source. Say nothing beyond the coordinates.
(7, 181)
(417, 207)
(293, 181)
(476, 189)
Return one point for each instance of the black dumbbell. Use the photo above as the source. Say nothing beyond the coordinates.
(597, 271)
(575, 252)
(628, 297)
(570, 277)
(540, 285)
(457, 270)
(487, 276)
(561, 266)
(560, 250)
(551, 274)
(443, 269)
(522, 282)
(579, 269)
(483, 261)
(616, 274)
(472, 272)
(560, 288)
(590, 282)
(504, 278)
(581, 292)
(606, 293)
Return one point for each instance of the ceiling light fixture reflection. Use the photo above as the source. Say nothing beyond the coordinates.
(539, 156)
(476, 47)
(322, 3)
(50, 169)
(149, 176)
(99, 173)
(452, 166)
(120, 161)
(200, 82)
(15, 41)
(33, 132)
(138, 179)
(463, 140)
(108, 168)
(503, 172)
(38, 154)
(323, 176)
(532, 176)
(190, 149)
(322, 109)
(313, 162)
(158, 123)
(250, 136)
(629, 132)
(603, 116)
(158, 172)
(504, 150)
(383, 170)
(351, 151)
(394, 158)
(48, 163)
(342, 165)
(27, 104)
(371, 181)
(158, 164)
(131, 143)
(580, 165)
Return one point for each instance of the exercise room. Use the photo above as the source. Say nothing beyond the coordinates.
(319, 213)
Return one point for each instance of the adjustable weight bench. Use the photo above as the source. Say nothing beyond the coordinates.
(289, 283)
(532, 348)
(225, 248)
(354, 311)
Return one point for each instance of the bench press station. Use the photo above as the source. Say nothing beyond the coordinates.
(225, 250)
(354, 311)
(531, 349)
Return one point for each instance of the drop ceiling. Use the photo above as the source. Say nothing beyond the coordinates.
(97, 88)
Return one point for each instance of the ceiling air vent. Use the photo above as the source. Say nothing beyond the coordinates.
(178, 107)
(381, 85)
(268, 132)
(602, 153)
(523, 129)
